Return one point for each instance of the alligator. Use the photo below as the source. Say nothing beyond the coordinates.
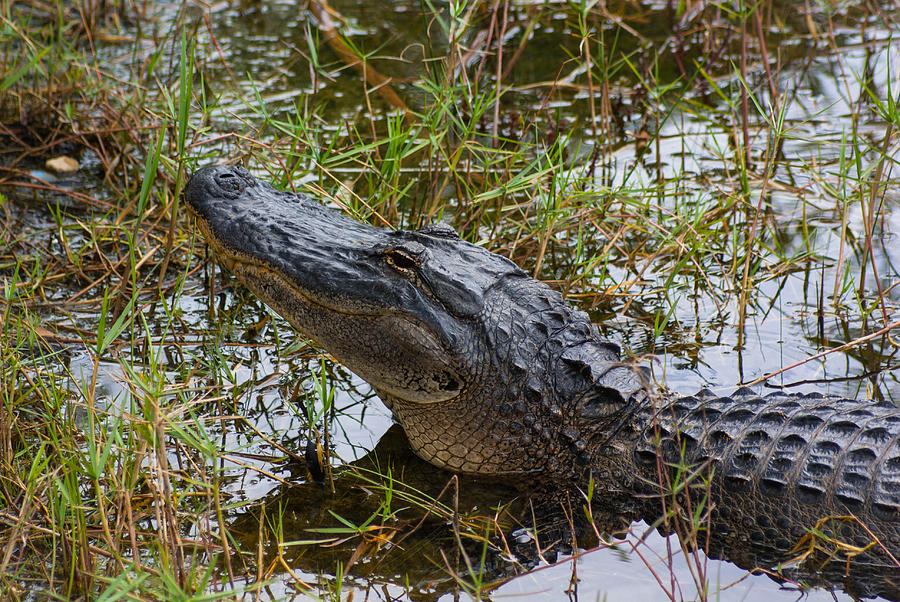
(490, 372)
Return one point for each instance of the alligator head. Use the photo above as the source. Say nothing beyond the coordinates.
(457, 341)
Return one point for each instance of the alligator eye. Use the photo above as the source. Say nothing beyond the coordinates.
(401, 260)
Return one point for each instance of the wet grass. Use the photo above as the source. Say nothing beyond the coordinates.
(676, 171)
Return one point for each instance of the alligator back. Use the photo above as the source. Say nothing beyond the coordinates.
(773, 468)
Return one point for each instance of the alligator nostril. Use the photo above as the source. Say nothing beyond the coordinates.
(229, 182)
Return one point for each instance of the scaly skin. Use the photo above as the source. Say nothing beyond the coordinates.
(490, 372)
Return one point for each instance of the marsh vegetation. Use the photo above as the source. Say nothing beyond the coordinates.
(716, 183)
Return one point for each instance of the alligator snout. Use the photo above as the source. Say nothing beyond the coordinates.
(217, 181)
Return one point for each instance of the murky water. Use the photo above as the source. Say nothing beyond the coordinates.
(266, 47)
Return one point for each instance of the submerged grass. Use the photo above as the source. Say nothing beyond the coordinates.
(667, 164)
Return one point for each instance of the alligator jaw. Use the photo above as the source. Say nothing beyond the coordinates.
(330, 288)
